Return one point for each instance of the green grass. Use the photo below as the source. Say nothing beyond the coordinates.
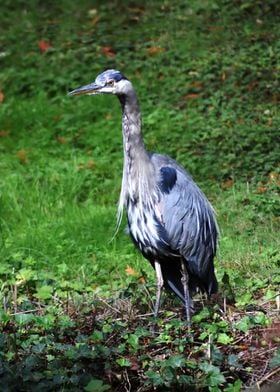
(207, 77)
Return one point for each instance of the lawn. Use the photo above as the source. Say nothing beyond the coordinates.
(76, 299)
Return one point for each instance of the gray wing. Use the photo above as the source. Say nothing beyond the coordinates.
(188, 219)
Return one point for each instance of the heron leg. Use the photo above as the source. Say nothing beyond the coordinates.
(187, 299)
(159, 287)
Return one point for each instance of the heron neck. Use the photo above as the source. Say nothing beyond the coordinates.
(137, 169)
(134, 149)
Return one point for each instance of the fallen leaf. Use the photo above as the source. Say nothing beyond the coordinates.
(135, 13)
(252, 85)
(2, 96)
(146, 340)
(240, 120)
(223, 77)
(215, 28)
(155, 50)
(130, 271)
(261, 189)
(108, 51)
(44, 46)
(4, 133)
(138, 74)
(227, 184)
(94, 21)
(274, 176)
(197, 84)
(191, 96)
(134, 363)
(243, 346)
(88, 165)
(22, 155)
(61, 140)
(53, 22)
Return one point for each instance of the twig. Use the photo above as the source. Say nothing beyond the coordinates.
(209, 347)
(108, 305)
(225, 305)
(238, 340)
(265, 368)
(26, 311)
(128, 386)
(267, 376)
(267, 351)
(270, 299)
(15, 297)
(144, 316)
(149, 296)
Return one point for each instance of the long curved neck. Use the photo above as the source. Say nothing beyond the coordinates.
(138, 181)
(134, 149)
(137, 167)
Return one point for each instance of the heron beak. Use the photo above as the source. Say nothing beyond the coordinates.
(89, 89)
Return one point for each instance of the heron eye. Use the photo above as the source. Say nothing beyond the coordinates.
(110, 83)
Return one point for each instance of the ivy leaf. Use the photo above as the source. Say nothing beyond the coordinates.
(97, 336)
(204, 314)
(25, 275)
(214, 377)
(44, 292)
(275, 360)
(96, 385)
(244, 324)
(24, 318)
(123, 362)
(223, 338)
(236, 387)
(133, 341)
(232, 361)
(176, 361)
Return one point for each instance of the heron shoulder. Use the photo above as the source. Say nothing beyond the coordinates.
(168, 177)
(170, 172)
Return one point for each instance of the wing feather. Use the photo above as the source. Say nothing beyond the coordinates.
(187, 217)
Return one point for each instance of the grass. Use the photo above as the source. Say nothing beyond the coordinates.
(207, 78)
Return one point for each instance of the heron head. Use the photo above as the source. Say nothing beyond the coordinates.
(108, 82)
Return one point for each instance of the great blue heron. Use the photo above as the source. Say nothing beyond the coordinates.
(169, 218)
